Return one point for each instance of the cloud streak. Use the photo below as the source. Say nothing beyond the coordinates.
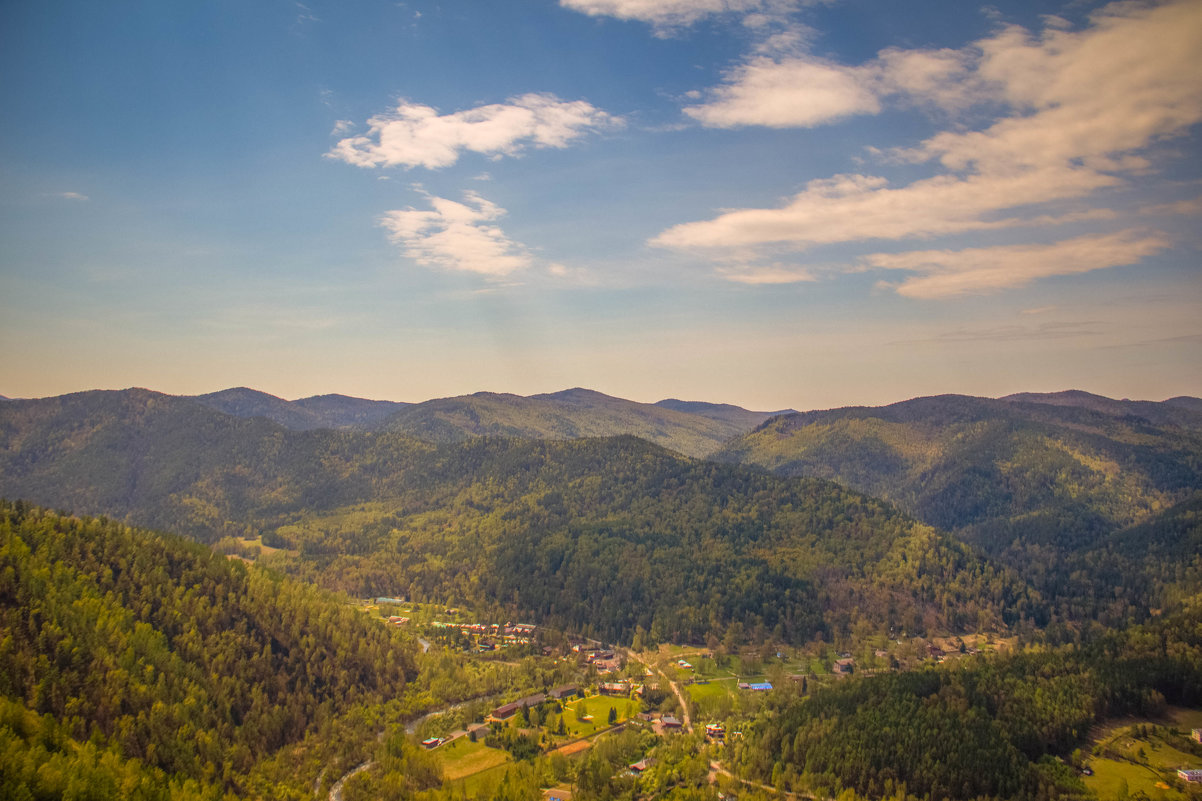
(667, 14)
(947, 273)
(416, 135)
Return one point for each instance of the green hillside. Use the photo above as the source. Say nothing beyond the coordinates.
(991, 470)
(163, 664)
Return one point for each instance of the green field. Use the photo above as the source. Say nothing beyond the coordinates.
(1136, 757)
(482, 783)
(597, 706)
(464, 758)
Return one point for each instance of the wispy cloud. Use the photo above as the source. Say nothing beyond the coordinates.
(758, 275)
(666, 15)
(946, 273)
(1012, 333)
(71, 196)
(1191, 207)
(416, 135)
(457, 236)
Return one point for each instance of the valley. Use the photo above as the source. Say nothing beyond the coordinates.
(560, 603)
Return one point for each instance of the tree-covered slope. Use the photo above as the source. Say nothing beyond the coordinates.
(604, 534)
(993, 470)
(153, 648)
(986, 727)
(1182, 411)
(616, 534)
(572, 414)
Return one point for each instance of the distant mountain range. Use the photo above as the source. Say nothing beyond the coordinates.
(306, 414)
(1056, 487)
(602, 534)
(690, 427)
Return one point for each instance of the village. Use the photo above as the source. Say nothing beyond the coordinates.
(648, 697)
(645, 699)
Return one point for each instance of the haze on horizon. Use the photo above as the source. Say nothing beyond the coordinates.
(771, 203)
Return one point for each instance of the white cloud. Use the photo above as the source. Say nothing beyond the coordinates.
(457, 236)
(946, 273)
(796, 93)
(342, 127)
(671, 13)
(415, 135)
(860, 207)
(71, 196)
(1080, 112)
(783, 86)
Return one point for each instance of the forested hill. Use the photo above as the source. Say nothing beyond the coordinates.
(319, 411)
(606, 535)
(993, 470)
(691, 429)
(168, 670)
(1182, 411)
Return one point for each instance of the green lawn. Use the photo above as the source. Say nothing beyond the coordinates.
(482, 783)
(1109, 776)
(597, 706)
(1139, 763)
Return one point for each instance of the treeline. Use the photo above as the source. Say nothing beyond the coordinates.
(929, 733)
(154, 649)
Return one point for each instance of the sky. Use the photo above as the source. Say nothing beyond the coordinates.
(772, 203)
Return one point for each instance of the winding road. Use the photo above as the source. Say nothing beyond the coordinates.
(336, 790)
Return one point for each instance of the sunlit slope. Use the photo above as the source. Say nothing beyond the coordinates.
(573, 414)
(155, 649)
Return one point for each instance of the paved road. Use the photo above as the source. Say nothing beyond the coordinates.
(336, 790)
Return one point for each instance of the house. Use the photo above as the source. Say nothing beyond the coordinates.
(566, 691)
(845, 667)
(641, 765)
(670, 722)
(509, 710)
(1196, 734)
(614, 688)
(1190, 774)
(715, 731)
(759, 686)
(680, 663)
(432, 742)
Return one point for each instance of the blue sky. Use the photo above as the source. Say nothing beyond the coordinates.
(774, 203)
